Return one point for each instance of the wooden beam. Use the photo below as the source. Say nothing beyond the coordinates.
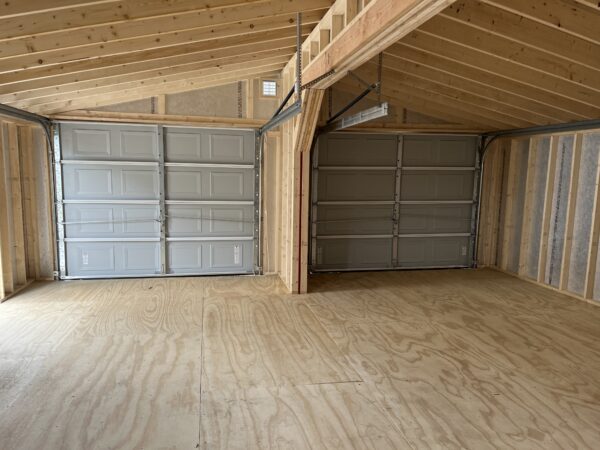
(571, 208)
(583, 98)
(536, 111)
(22, 7)
(203, 79)
(198, 34)
(17, 205)
(436, 58)
(421, 102)
(377, 26)
(167, 119)
(28, 184)
(127, 12)
(526, 236)
(547, 211)
(523, 31)
(509, 221)
(496, 110)
(121, 61)
(150, 89)
(565, 15)
(572, 74)
(7, 284)
(592, 257)
(151, 81)
(303, 138)
(106, 77)
(250, 98)
(161, 104)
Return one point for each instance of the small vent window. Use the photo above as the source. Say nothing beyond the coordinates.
(269, 88)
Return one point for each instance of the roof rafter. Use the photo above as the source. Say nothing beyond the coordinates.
(153, 81)
(568, 16)
(121, 62)
(172, 39)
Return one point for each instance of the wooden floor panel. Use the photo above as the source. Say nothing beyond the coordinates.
(423, 359)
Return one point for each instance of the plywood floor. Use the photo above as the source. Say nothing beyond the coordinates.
(444, 359)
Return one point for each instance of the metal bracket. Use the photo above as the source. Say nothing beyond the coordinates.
(363, 116)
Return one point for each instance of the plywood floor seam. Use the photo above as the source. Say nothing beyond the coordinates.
(432, 359)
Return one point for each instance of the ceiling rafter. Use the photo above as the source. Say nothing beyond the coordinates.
(397, 66)
(500, 47)
(524, 31)
(435, 73)
(141, 69)
(418, 104)
(173, 39)
(156, 28)
(567, 16)
(566, 96)
(460, 99)
(588, 99)
(120, 62)
(12, 8)
(152, 81)
(137, 93)
(124, 11)
(66, 89)
(486, 77)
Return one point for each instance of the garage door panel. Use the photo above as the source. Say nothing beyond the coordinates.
(210, 256)
(106, 182)
(111, 221)
(437, 185)
(443, 151)
(354, 219)
(209, 146)
(359, 150)
(193, 183)
(374, 253)
(435, 219)
(433, 252)
(112, 193)
(416, 189)
(356, 185)
(112, 258)
(209, 220)
(109, 143)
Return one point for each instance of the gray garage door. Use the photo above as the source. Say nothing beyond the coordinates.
(145, 200)
(393, 202)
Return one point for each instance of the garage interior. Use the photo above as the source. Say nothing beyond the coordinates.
(299, 224)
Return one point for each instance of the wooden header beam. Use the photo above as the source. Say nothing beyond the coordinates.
(378, 25)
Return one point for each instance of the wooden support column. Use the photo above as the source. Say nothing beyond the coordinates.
(509, 219)
(28, 184)
(547, 212)
(527, 206)
(250, 98)
(299, 183)
(161, 104)
(590, 274)
(6, 268)
(17, 202)
(571, 207)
